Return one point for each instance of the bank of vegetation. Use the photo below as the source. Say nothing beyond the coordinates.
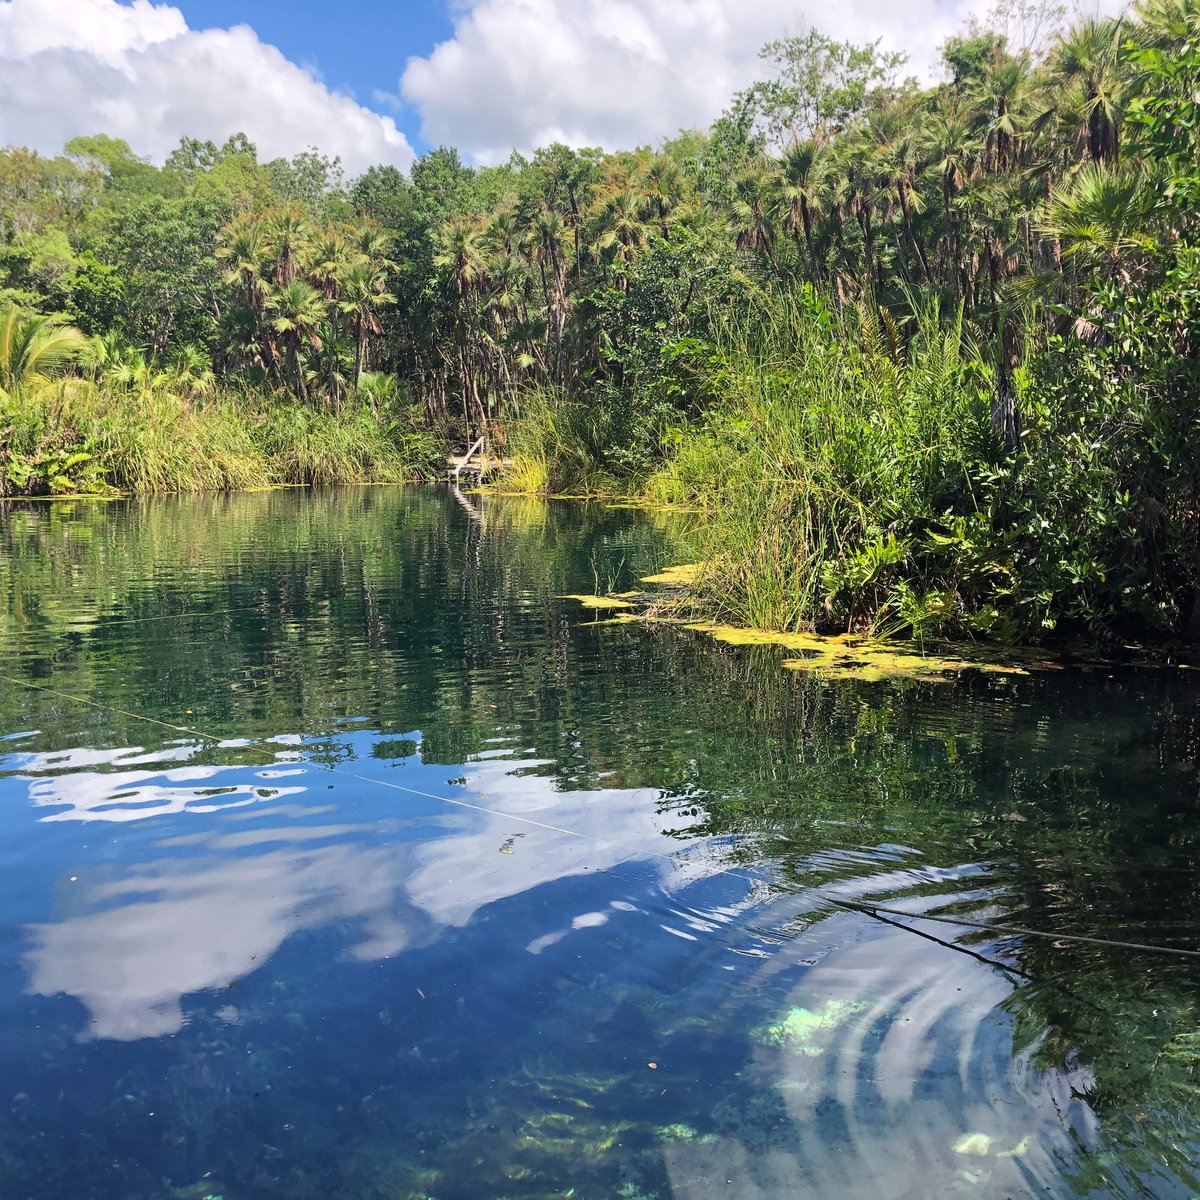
(924, 359)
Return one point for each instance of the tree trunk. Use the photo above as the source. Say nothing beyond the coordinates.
(360, 354)
(912, 233)
(1006, 418)
(297, 371)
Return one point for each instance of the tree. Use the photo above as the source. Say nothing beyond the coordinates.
(820, 88)
(296, 315)
(1087, 75)
(800, 196)
(364, 295)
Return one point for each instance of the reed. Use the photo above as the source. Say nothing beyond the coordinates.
(74, 435)
(828, 447)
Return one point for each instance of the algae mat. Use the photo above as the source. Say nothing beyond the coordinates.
(847, 656)
(844, 656)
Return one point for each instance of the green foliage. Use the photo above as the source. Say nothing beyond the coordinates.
(324, 449)
(557, 445)
(39, 456)
(828, 456)
(821, 86)
(33, 349)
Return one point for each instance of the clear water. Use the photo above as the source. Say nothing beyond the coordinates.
(454, 893)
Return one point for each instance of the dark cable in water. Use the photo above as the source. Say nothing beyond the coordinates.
(864, 907)
(872, 910)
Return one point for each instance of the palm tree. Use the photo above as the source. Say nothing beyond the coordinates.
(379, 390)
(862, 168)
(188, 372)
(951, 149)
(364, 293)
(1165, 24)
(328, 368)
(504, 230)
(462, 257)
(34, 349)
(898, 155)
(372, 243)
(665, 185)
(547, 241)
(330, 256)
(461, 253)
(754, 199)
(243, 247)
(1000, 95)
(621, 217)
(1109, 220)
(799, 196)
(1086, 61)
(289, 235)
(298, 313)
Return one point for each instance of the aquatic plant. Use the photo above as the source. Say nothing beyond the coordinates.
(807, 1032)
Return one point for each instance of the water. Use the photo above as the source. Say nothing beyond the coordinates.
(454, 893)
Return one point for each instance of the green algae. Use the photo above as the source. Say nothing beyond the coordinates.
(678, 576)
(600, 602)
(847, 656)
(807, 1032)
(844, 656)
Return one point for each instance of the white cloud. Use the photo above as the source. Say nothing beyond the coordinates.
(619, 73)
(137, 71)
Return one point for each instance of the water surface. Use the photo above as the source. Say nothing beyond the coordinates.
(340, 857)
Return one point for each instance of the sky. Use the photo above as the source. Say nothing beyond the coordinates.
(378, 81)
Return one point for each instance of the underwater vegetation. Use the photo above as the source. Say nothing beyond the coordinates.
(806, 1032)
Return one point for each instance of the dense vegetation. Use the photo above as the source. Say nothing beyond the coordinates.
(925, 358)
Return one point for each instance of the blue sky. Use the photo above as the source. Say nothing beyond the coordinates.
(329, 38)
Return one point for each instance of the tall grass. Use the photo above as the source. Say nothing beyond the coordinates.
(76, 436)
(827, 451)
(559, 444)
(324, 449)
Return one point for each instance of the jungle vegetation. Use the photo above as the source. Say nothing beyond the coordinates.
(923, 358)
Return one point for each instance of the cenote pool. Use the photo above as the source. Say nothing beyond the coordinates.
(451, 892)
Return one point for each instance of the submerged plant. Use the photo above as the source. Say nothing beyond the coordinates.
(805, 1031)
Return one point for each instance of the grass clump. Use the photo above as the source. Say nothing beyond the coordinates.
(76, 436)
(558, 444)
(352, 446)
(830, 453)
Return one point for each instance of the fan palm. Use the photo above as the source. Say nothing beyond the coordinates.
(331, 256)
(1001, 95)
(462, 255)
(364, 293)
(34, 349)
(1109, 220)
(289, 236)
(799, 194)
(623, 228)
(754, 199)
(1087, 60)
(379, 390)
(298, 312)
(243, 247)
(1165, 23)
